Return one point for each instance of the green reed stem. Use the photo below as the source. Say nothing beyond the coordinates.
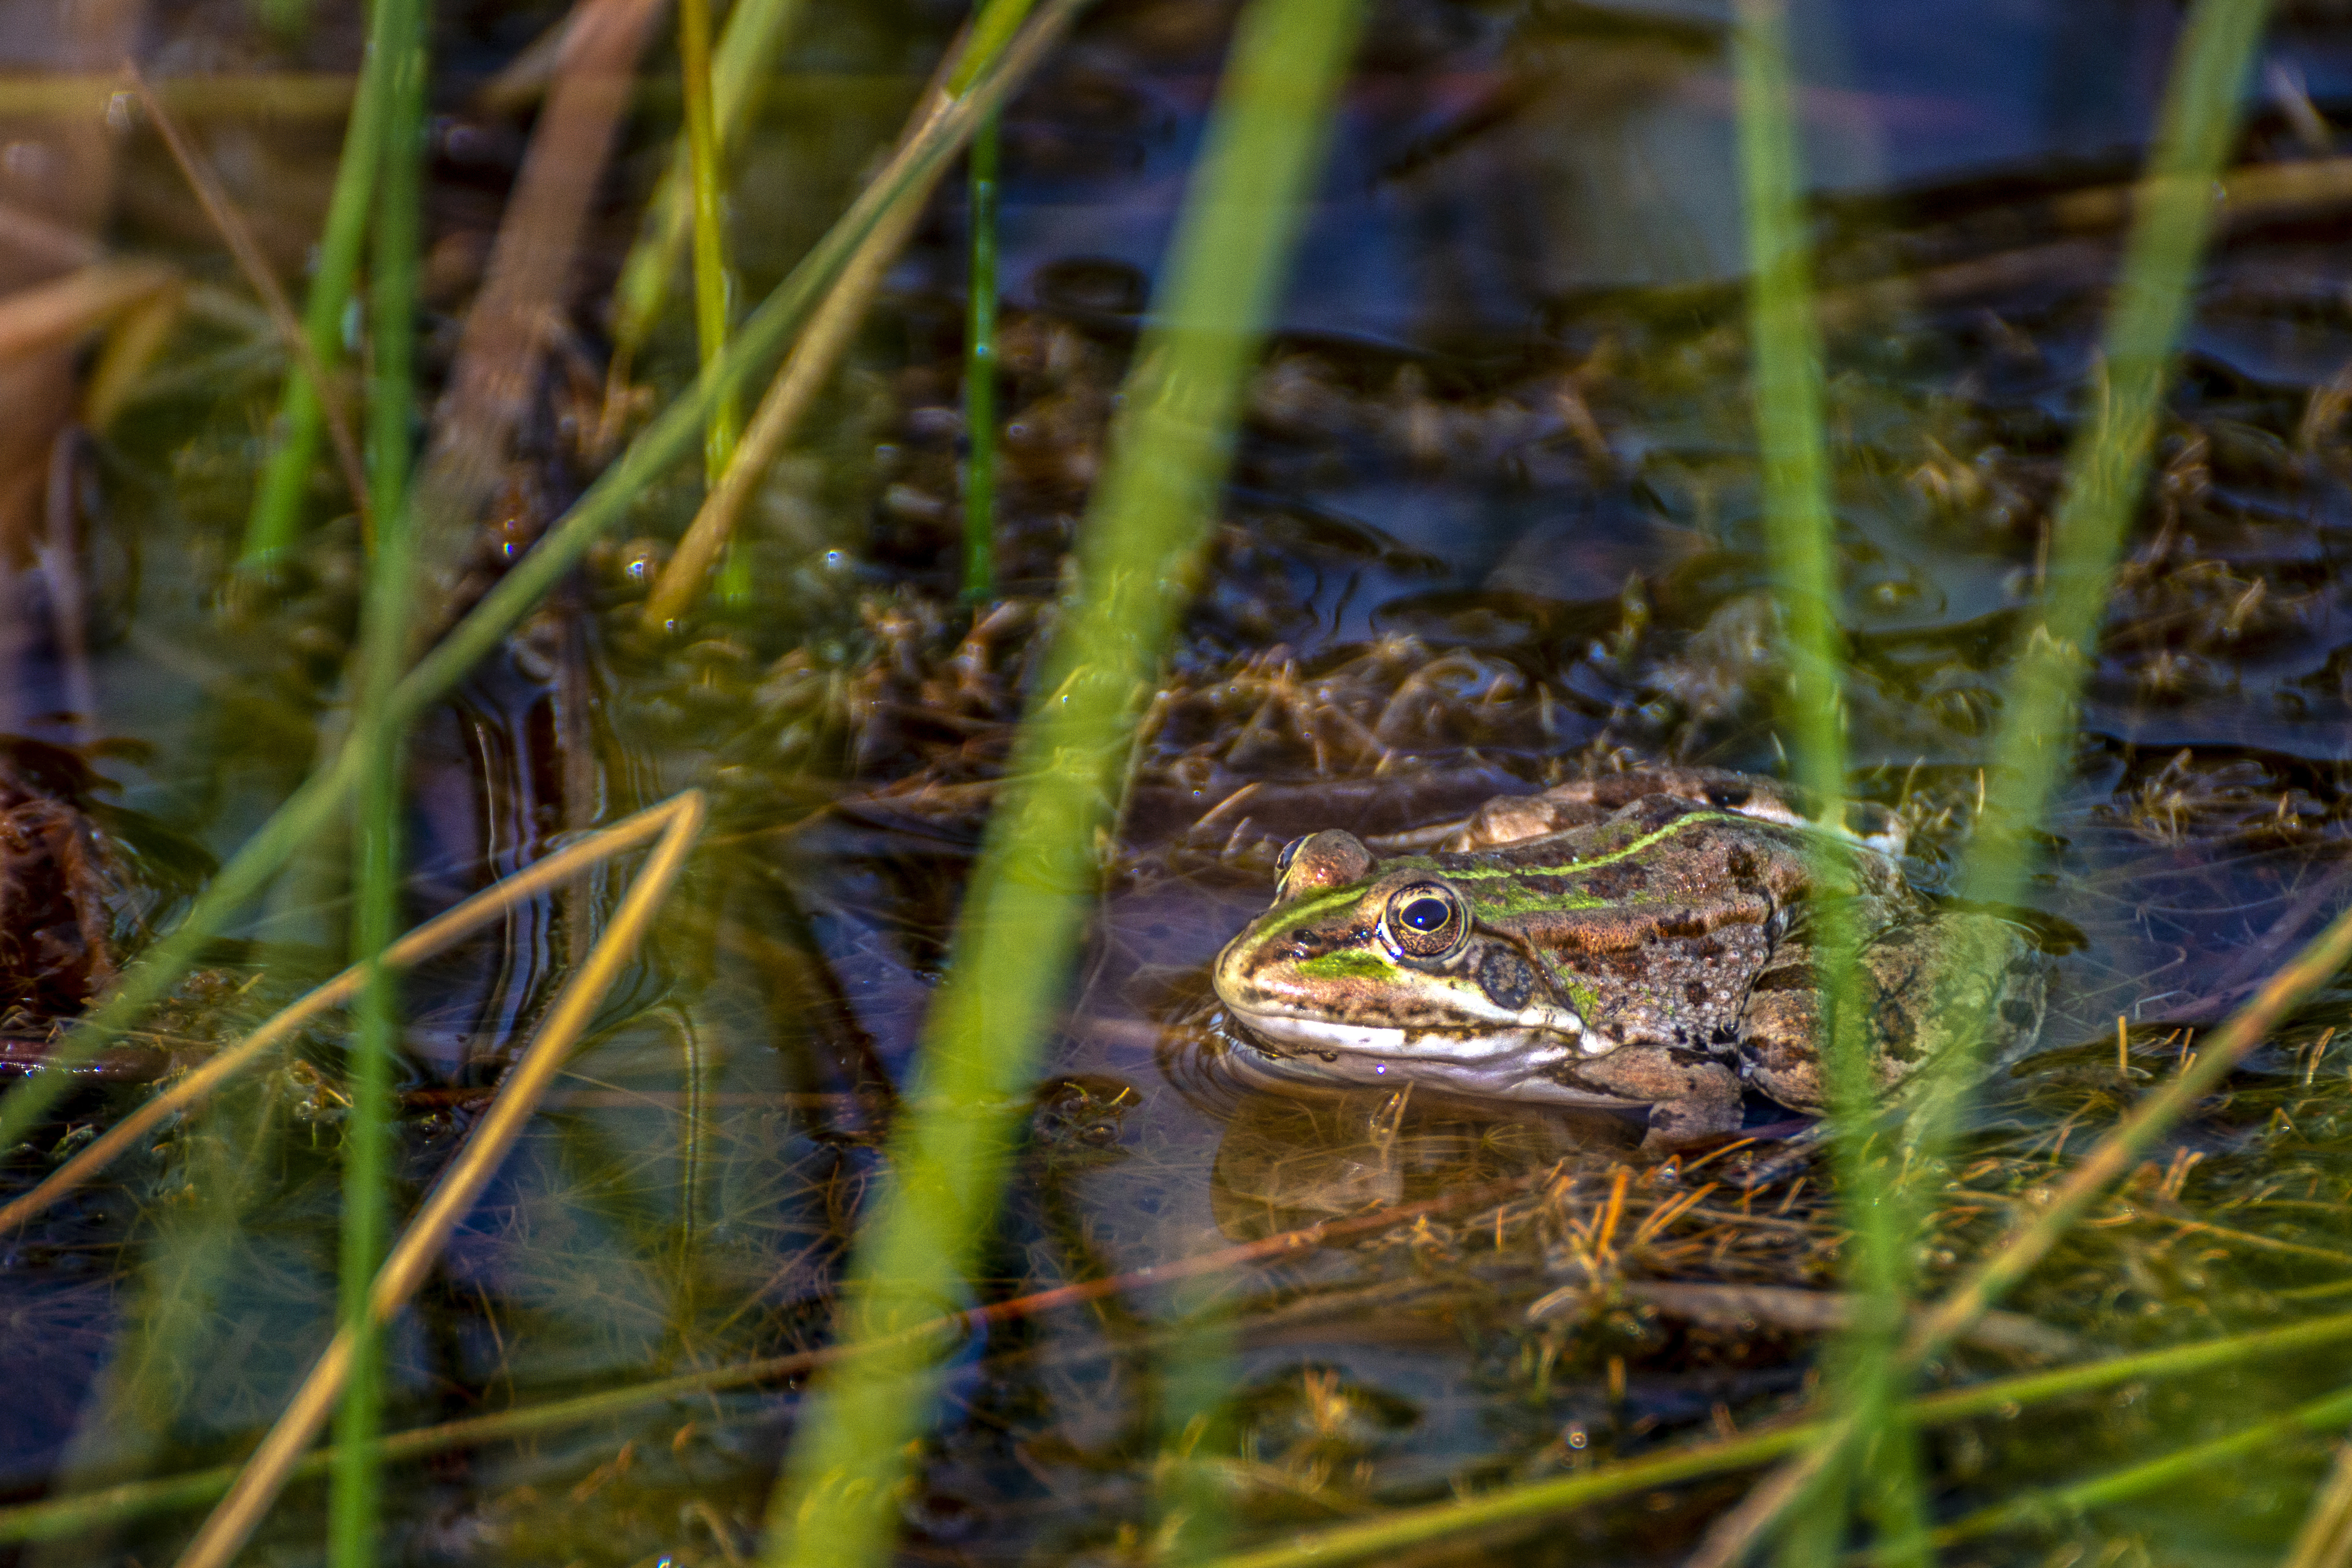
(354, 1503)
(1040, 868)
(2054, 1505)
(2107, 472)
(1800, 535)
(711, 282)
(2108, 469)
(660, 445)
(754, 32)
(276, 518)
(992, 27)
(979, 377)
(1786, 378)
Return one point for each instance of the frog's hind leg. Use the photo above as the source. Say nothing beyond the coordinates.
(1925, 988)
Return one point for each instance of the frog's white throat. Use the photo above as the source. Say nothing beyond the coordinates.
(1494, 1063)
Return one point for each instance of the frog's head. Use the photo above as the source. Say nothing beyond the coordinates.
(1369, 973)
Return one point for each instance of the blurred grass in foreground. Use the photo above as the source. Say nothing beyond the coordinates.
(1030, 895)
(980, 376)
(1800, 530)
(397, 52)
(2033, 750)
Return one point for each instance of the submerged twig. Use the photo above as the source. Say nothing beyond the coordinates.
(267, 1472)
(528, 278)
(52, 314)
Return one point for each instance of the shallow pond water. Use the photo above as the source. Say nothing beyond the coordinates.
(1494, 523)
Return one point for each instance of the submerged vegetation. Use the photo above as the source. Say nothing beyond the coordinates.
(819, 746)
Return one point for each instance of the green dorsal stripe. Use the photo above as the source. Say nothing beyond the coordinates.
(1355, 891)
(1577, 867)
(1347, 895)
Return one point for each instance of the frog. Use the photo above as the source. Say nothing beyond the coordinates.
(1641, 941)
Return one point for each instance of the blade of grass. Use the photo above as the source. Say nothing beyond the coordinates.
(2182, 1466)
(605, 503)
(711, 285)
(709, 536)
(237, 234)
(266, 1473)
(1038, 871)
(1800, 532)
(354, 1503)
(2324, 1540)
(754, 32)
(2106, 473)
(979, 377)
(711, 281)
(276, 516)
(1786, 382)
(811, 361)
(2174, 210)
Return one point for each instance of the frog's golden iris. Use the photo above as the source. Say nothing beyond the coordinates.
(1425, 922)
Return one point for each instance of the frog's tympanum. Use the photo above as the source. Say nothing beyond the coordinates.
(1637, 940)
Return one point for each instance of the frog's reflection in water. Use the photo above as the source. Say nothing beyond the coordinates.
(1290, 1158)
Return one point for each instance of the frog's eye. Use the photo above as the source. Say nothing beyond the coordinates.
(1427, 922)
(1281, 860)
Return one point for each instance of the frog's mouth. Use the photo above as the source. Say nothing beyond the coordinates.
(1495, 1063)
